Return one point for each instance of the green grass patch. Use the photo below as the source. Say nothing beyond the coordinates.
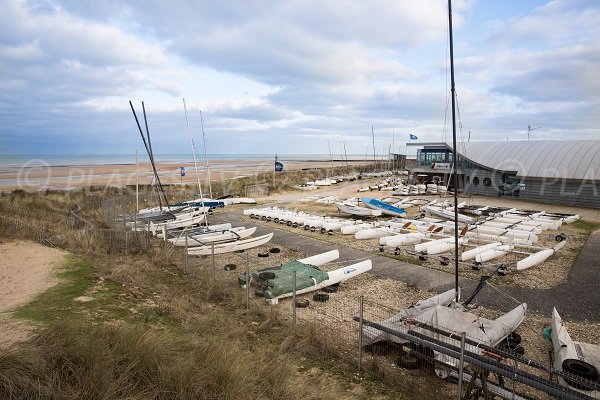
(76, 277)
(587, 226)
(57, 302)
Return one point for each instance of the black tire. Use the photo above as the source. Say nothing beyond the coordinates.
(252, 216)
(397, 251)
(423, 257)
(259, 293)
(581, 369)
(330, 232)
(502, 271)
(276, 220)
(265, 254)
(302, 303)
(513, 339)
(476, 266)
(263, 218)
(323, 231)
(407, 361)
(269, 219)
(306, 227)
(561, 237)
(294, 225)
(381, 249)
(320, 297)
(312, 229)
(274, 250)
(331, 289)
(444, 260)
(267, 275)
(289, 223)
(229, 267)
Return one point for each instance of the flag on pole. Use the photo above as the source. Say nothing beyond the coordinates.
(413, 137)
(182, 171)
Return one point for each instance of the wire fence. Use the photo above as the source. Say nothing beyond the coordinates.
(389, 343)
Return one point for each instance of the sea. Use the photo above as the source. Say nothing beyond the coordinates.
(50, 160)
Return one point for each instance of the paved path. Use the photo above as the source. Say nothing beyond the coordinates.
(576, 299)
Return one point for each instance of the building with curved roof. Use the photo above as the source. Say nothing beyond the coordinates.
(553, 171)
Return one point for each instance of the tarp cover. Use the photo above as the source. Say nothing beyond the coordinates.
(307, 275)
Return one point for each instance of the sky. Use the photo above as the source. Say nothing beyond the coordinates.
(293, 76)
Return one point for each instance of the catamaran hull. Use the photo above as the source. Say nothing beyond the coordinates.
(229, 247)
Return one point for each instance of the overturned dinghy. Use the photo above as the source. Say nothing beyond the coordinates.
(580, 361)
(441, 312)
(277, 283)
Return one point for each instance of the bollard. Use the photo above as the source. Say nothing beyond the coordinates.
(294, 298)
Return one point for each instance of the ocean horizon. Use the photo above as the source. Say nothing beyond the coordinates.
(55, 160)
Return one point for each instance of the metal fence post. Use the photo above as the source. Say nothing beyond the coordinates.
(360, 330)
(187, 262)
(212, 250)
(294, 298)
(247, 281)
(461, 364)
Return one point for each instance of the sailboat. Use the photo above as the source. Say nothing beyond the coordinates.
(444, 310)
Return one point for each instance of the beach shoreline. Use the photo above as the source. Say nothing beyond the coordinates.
(42, 176)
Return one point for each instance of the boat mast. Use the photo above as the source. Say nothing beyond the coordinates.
(205, 155)
(195, 161)
(454, 149)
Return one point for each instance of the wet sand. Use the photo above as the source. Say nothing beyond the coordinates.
(41, 176)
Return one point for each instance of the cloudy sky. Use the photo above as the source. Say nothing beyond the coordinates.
(292, 76)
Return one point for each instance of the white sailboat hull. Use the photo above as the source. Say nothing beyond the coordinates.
(221, 248)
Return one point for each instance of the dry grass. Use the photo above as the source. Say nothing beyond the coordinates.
(147, 330)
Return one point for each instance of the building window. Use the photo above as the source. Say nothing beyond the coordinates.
(476, 181)
(487, 181)
(468, 179)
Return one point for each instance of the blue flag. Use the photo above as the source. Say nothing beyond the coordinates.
(278, 166)
(182, 171)
(413, 137)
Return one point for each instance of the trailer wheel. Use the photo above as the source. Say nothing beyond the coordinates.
(274, 250)
(561, 237)
(381, 249)
(263, 255)
(476, 266)
(289, 223)
(294, 225)
(229, 267)
(302, 303)
(266, 275)
(306, 227)
(331, 289)
(397, 251)
(579, 368)
(444, 260)
(276, 220)
(321, 297)
(407, 361)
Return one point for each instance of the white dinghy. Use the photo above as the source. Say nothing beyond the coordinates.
(228, 247)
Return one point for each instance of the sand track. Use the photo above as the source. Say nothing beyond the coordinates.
(26, 269)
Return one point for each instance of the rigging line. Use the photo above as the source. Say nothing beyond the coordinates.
(462, 134)
(504, 293)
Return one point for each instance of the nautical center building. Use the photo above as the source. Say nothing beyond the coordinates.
(549, 171)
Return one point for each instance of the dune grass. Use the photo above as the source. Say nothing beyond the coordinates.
(135, 326)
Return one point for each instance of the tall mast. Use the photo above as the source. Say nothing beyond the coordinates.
(195, 161)
(373, 135)
(205, 155)
(454, 150)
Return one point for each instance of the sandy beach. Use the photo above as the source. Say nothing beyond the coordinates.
(40, 176)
